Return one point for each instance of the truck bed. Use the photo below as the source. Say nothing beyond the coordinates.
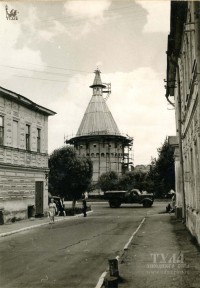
(114, 194)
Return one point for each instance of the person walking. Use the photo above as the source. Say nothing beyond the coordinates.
(84, 209)
(173, 202)
(52, 211)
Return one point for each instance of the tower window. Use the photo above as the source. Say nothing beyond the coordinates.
(102, 155)
(94, 145)
(92, 154)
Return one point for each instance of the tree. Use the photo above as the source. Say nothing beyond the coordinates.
(162, 173)
(126, 181)
(133, 179)
(108, 181)
(69, 175)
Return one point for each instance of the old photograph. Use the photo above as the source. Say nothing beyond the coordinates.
(99, 144)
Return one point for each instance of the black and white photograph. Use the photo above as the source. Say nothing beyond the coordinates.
(99, 144)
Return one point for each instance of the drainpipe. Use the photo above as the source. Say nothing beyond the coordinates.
(180, 138)
(180, 142)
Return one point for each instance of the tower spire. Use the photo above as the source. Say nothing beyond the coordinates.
(97, 80)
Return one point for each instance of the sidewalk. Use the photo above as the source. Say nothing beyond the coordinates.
(161, 255)
(23, 225)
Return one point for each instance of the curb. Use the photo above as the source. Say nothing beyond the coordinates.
(101, 280)
(41, 224)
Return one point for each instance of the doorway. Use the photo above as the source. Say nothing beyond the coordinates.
(39, 209)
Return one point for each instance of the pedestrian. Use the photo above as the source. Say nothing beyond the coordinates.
(173, 202)
(84, 203)
(171, 206)
(86, 195)
(52, 211)
(61, 208)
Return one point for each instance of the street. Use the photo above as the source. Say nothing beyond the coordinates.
(70, 253)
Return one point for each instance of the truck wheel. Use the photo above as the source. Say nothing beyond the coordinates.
(147, 204)
(111, 205)
(117, 205)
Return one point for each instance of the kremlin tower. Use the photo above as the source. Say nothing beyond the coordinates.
(98, 136)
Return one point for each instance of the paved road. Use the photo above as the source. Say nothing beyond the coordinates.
(70, 254)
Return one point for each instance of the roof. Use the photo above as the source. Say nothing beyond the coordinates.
(177, 20)
(25, 102)
(97, 80)
(97, 119)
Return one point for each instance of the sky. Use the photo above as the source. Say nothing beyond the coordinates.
(50, 53)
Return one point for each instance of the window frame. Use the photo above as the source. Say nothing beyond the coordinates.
(27, 137)
(2, 130)
(17, 139)
(38, 140)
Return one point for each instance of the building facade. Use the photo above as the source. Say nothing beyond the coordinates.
(183, 83)
(23, 157)
(99, 138)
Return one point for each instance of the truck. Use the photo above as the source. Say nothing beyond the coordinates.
(116, 198)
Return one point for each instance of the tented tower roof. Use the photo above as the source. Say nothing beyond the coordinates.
(97, 119)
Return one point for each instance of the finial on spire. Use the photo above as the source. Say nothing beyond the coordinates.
(97, 79)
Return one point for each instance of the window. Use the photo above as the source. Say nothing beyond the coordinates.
(15, 133)
(1, 130)
(27, 137)
(38, 139)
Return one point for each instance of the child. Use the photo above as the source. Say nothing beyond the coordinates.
(52, 210)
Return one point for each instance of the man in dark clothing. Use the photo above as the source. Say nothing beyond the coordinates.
(84, 209)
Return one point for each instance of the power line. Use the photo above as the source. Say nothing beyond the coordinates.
(46, 72)
(36, 78)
